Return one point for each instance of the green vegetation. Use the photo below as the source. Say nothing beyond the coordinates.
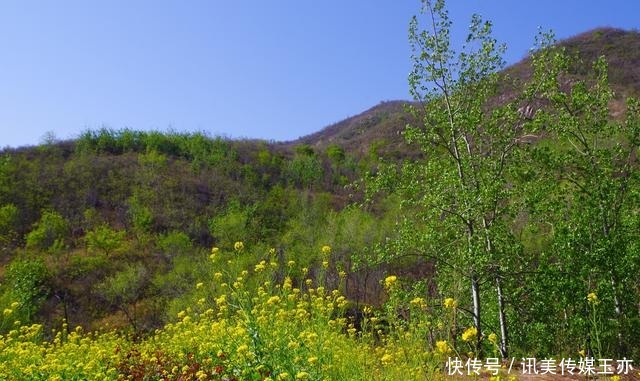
(505, 223)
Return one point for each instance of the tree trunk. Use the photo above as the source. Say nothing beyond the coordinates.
(504, 339)
(618, 311)
(475, 294)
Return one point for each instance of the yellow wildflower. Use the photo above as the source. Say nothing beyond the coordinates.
(386, 359)
(450, 303)
(469, 334)
(592, 298)
(419, 302)
(442, 346)
(238, 246)
(390, 281)
(260, 266)
(199, 285)
(326, 249)
(493, 338)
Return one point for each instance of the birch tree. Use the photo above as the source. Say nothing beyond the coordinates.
(461, 196)
(594, 161)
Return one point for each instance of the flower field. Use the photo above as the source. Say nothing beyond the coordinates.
(246, 326)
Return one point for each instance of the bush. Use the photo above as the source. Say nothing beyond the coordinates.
(49, 233)
(25, 281)
(104, 238)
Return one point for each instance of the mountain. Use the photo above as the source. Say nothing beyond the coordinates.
(378, 127)
(381, 126)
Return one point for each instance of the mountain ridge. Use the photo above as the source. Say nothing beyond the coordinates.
(383, 123)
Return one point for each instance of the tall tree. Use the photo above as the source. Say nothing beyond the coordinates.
(595, 165)
(463, 191)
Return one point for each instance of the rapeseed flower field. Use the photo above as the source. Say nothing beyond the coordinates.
(252, 328)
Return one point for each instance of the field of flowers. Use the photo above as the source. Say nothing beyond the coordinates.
(249, 326)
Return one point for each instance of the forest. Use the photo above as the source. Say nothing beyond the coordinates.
(495, 216)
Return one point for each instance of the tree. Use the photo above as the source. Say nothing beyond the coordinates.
(8, 219)
(595, 171)
(465, 184)
(174, 243)
(49, 233)
(232, 226)
(105, 239)
(124, 289)
(305, 169)
(26, 281)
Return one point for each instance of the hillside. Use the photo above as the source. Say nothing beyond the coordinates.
(380, 127)
(377, 130)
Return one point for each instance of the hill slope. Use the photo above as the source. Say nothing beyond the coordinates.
(381, 125)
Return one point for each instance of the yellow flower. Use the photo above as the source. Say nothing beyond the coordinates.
(615, 377)
(7, 311)
(326, 249)
(419, 302)
(386, 359)
(199, 285)
(450, 303)
(302, 376)
(272, 251)
(325, 264)
(238, 246)
(592, 298)
(260, 266)
(442, 346)
(469, 334)
(312, 360)
(493, 338)
(242, 349)
(15, 305)
(581, 353)
(283, 376)
(390, 281)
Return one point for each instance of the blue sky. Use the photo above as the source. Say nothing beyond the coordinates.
(261, 69)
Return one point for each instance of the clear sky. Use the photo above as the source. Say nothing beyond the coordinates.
(274, 69)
